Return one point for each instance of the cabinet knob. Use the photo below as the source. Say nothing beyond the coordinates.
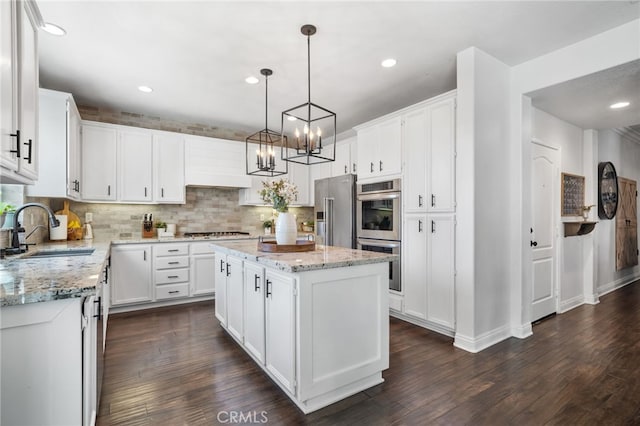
(533, 243)
(345, 169)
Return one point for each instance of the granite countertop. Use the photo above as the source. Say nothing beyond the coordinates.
(24, 279)
(323, 257)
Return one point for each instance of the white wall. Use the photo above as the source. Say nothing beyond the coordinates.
(625, 156)
(482, 238)
(557, 133)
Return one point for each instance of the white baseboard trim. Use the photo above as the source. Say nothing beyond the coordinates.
(429, 325)
(591, 299)
(567, 305)
(483, 341)
(614, 285)
(522, 331)
(161, 304)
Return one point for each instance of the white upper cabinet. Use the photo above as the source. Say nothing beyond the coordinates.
(345, 163)
(299, 175)
(380, 149)
(441, 157)
(19, 91)
(135, 160)
(59, 130)
(415, 161)
(215, 162)
(99, 159)
(168, 168)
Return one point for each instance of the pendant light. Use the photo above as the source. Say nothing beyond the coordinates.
(265, 143)
(309, 128)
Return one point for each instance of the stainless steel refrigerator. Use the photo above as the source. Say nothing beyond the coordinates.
(335, 211)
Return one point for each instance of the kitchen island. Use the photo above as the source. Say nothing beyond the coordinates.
(316, 322)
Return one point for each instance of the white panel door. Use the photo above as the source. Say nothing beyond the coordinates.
(415, 161)
(441, 156)
(203, 270)
(221, 288)
(135, 152)
(389, 161)
(441, 281)
(342, 165)
(8, 86)
(414, 275)
(168, 168)
(280, 328)
(98, 153)
(367, 152)
(254, 310)
(131, 274)
(544, 178)
(235, 297)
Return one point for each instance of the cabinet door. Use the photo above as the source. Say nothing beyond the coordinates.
(415, 161)
(28, 100)
(342, 165)
(203, 271)
(135, 152)
(440, 287)
(353, 155)
(441, 170)
(131, 274)
(280, 328)
(8, 86)
(414, 258)
(74, 170)
(168, 166)
(235, 298)
(254, 310)
(221, 288)
(299, 175)
(389, 159)
(367, 152)
(98, 163)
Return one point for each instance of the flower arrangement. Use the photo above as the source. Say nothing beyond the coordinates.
(279, 193)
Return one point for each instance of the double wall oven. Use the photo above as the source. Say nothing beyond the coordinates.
(378, 221)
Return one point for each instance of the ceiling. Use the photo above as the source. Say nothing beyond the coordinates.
(196, 55)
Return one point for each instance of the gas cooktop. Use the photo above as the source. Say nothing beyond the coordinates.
(214, 233)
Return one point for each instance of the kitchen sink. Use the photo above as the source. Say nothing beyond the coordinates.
(61, 253)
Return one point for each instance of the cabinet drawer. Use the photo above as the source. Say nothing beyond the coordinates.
(172, 276)
(171, 291)
(170, 249)
(172, 262)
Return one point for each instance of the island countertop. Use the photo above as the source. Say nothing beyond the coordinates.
(323, 257)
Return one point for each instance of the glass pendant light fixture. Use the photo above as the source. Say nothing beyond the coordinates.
(309, 128)
(265, 143)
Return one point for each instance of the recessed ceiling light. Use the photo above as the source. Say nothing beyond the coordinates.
(619, 105)
(252, 80)
(145, 89)
(388, 63)
(291, 118)
(53, 29)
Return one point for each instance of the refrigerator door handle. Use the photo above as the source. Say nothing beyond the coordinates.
(328, 217)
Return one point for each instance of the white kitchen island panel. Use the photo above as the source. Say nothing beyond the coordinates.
(330, 304)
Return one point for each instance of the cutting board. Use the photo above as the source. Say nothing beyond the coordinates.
(71, 216)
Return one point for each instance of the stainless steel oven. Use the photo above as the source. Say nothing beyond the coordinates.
(385, 246)
(378, 210)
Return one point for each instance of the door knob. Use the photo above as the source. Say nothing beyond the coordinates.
(534, 243)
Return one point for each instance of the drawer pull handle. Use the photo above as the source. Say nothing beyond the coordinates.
(174, 263)
(269, 285)
(174, 291)
(228, 269)
(173, 250)
(172, 276)
(256, 286)
(17, 150)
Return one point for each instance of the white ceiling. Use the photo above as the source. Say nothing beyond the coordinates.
(196, 55)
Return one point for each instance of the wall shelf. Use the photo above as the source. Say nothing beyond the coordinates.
(571, 229)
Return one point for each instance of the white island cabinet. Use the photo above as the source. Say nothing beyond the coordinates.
(316, 322)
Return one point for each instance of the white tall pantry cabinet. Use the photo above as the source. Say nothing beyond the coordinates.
(428, 275)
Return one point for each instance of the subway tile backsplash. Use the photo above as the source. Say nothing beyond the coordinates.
(207, 209)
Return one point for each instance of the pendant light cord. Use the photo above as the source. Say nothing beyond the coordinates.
(266, 100)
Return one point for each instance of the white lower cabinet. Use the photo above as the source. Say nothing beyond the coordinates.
(203, 269)
(280, 326)
(131, 274)
(171, 270)
(429, 270)
(254, 331)
(221, 288)
(235, 297)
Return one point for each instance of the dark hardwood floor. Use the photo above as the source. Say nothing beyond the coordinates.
(175, 366)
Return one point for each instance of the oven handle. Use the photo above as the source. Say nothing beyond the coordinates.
(378, 244)
(378, 196)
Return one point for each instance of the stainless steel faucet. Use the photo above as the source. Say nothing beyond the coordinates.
(15, 242)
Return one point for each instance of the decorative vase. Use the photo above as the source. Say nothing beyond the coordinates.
(286, 230)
